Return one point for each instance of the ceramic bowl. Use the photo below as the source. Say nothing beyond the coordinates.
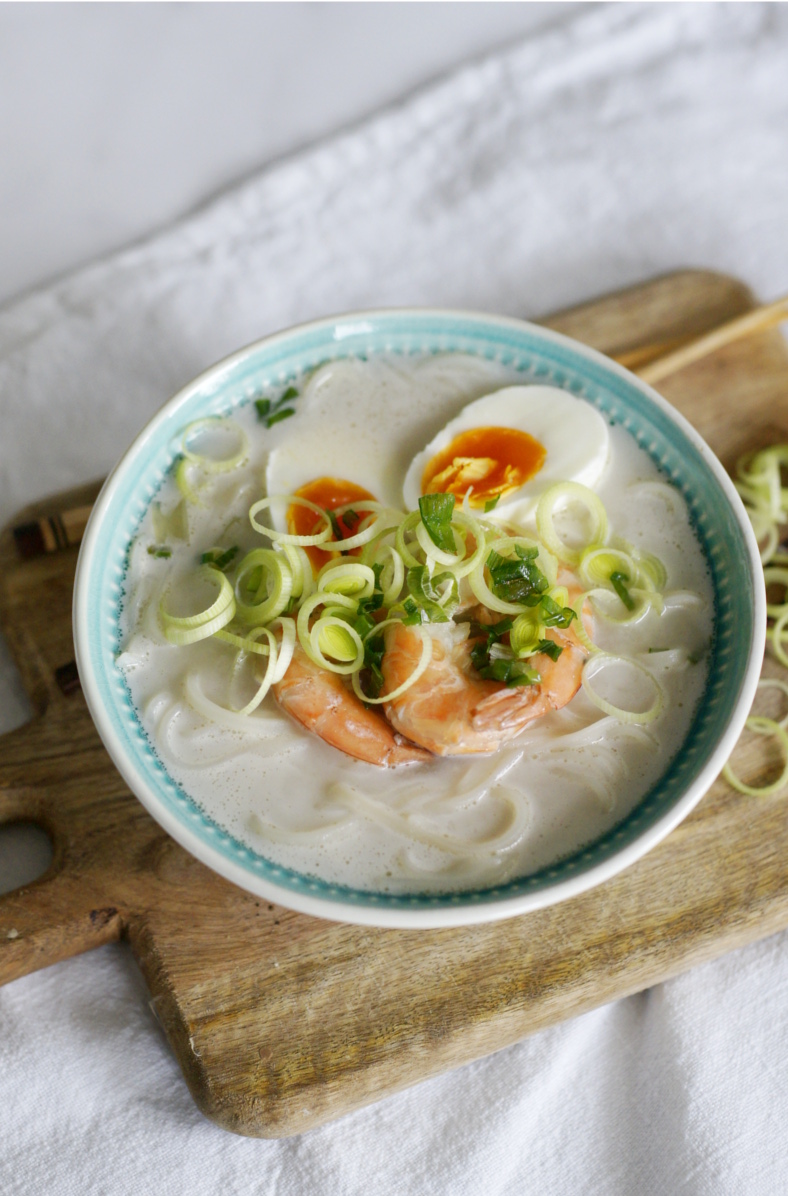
(687, 463)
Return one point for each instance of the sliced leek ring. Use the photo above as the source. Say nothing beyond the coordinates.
(421, 667)
(564, 494)
(283, 538)
(189, 629)
(641, 718)
(762, 726)
(214, 464)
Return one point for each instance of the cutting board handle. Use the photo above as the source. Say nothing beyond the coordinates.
(48, 921)
(64, 912)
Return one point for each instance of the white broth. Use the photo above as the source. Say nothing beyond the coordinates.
(450, 822)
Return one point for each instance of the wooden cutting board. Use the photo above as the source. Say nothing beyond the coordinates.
(280, 1021)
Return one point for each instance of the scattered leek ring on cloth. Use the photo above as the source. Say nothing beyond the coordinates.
(762, 726)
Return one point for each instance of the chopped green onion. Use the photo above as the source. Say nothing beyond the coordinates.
(278, 416)
(162, 552)
(553, 615)
(421, 667)
(436, 514)
(422, 590)
(510, 672)
(492, 503)
(550, 648)
(217, 558)
(618, 581)
(516, 580)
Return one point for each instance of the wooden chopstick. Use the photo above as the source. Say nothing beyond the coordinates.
(666, 363)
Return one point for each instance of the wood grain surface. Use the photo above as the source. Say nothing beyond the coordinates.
(280, 1021)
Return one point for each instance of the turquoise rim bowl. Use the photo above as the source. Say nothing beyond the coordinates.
(717, 515)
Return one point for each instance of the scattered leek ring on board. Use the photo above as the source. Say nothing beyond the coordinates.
(759, 483)
(765, 498)
(762, 726)
(775, 636)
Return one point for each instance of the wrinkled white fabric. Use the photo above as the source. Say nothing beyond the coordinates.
(629, 141)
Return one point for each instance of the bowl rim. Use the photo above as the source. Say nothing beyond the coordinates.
(344, 325)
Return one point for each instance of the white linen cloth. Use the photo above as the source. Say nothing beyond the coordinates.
(628, 141)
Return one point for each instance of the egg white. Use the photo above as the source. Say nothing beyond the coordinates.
(338, 431)
(573, 433)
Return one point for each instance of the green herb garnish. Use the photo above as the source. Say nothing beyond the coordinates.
(516, 579)
(374, 650)
(278, 416)
(424, 591)
(272, 412)
(553, 615)
(161, 552)
(336, 525)
(510, 672)
(362, 621)
(412, 612)
(549, 648)
(436, 513)
(618, 581)
(220, 560)
(492, 503)
(489, 636)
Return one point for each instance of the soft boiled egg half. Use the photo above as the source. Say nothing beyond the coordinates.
(507, 447)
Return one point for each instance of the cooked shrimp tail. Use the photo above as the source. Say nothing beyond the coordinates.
(322, 703)
(452, 711)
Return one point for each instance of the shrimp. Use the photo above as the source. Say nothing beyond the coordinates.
(322, 703)
(451, 711)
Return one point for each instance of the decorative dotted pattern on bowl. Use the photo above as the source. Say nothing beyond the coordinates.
(539, 355)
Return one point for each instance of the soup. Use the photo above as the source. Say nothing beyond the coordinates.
(464, 813)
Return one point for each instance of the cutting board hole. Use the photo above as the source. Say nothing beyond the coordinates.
(25, 854)
(15, 706)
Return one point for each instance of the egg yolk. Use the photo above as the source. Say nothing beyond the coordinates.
(327, 493)
(491, 461)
